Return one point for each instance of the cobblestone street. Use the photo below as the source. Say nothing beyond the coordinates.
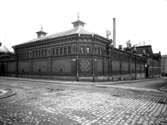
(37, 103)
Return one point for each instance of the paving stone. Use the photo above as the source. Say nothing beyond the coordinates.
(82, 107)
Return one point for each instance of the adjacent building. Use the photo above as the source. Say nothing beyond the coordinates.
(164, 65)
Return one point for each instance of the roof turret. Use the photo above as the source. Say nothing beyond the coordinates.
(78, 23)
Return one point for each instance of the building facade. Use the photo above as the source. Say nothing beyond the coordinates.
(77, 54)
(164, 65)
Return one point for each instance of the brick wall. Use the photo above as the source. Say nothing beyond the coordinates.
(62, 66)
(24, 67)
(41, 66)
(12, 67)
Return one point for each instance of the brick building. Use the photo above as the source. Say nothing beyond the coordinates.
(164, 65)
(77, 54)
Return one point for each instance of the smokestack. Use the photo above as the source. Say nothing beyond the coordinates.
(114, 32)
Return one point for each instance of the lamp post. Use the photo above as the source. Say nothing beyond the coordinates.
(77, 59)
(135, 51)
(93, 59)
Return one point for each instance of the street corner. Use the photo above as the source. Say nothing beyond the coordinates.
(164, 88)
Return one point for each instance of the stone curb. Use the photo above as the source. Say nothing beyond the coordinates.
(80, 82)
(164, 88)
(9, 93)
(130, 88)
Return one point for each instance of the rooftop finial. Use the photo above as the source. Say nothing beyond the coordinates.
(78, 15)
(41, 28)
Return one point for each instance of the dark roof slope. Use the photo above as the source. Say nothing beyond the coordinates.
(145, 50)
(76, 30)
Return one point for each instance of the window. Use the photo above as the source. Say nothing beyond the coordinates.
(33, 53)
(45, 52)
(57, 51)
(81, 50)
(87, 50)
(100, 51)
(69, 50)
(74, 49)
(65, 50)
(61, 51)
(42, 52)
(53, 51)
(38, 52)
(30, 53)
(96, 51)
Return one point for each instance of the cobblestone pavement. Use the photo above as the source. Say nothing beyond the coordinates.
(48, 104)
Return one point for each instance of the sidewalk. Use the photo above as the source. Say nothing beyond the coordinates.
(47, 80)
(78, 82)
(105, 84)
(130, 88)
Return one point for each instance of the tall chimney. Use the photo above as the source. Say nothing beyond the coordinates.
(114, 32)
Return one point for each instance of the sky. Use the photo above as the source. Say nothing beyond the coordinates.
(140, 21)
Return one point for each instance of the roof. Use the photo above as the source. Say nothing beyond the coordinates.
(75, 30)
(144, 46)
(3, 49)
(78, 23)
(146, 50)
(156, 55)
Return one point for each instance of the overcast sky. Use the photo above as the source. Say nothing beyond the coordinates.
(136, 20)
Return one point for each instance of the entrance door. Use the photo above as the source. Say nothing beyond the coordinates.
(147, 74)
(2, 69)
